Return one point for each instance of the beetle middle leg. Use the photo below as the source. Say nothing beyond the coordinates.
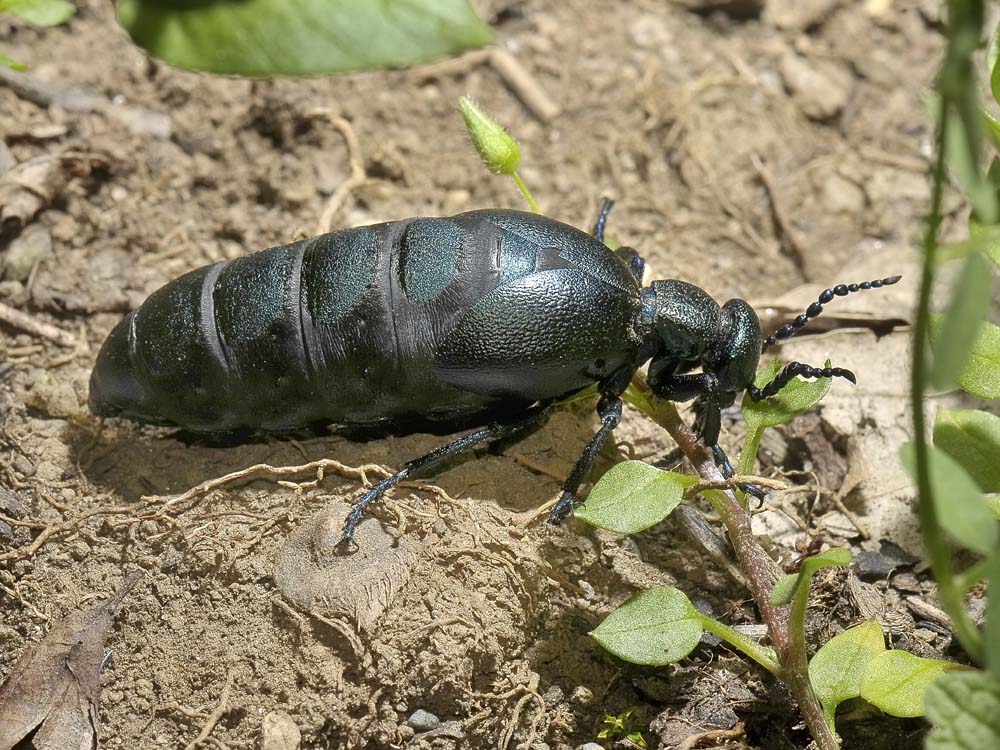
(424, 464)
(609, 409)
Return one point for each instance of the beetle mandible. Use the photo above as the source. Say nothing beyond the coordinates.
(488, 317)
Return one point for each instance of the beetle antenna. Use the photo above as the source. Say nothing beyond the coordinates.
(602, 219)
(841, 290)
(788, 374)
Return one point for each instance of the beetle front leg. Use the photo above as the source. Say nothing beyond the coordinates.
(424, 464)
(609, 408)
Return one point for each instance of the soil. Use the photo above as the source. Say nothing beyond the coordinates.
(750, 150)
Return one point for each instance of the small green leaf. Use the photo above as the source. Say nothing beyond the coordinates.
(969, 301)
(972, 438)
(981, 374)
(496, 147)
(633, 496)
(895, 681)
(657, 626)
(7, 62)
(39, 12)
(784, 590)
(792, 400)
(964, 709)
(957, 500)
(300, 37)
(835, 671)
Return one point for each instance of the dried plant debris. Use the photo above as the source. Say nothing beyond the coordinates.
(51, 697)
(37, 183)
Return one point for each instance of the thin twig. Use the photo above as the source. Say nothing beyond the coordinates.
(795, 242)
(524, 85)
(319, 465)
(357, 178)
(24, 322)
(217, 712)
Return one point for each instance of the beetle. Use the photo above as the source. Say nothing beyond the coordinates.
(485, 318)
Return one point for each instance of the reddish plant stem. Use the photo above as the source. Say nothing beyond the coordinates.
(760, 569)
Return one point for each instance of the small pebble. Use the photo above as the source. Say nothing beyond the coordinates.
(423, 721)
(278, 732)
(590, 746)
(32, 246)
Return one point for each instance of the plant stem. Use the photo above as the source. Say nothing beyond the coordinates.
(526, 193)
(760, 569)
(937, 548)
(759, 653)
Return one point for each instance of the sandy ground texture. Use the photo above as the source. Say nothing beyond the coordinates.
(759, 149)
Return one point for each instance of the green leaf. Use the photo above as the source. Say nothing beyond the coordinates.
(981, 374)
(895, 681)
(961, 150)
(993, 503)
(633, 496)
(300, 37)
(992, 53)
(983, 238)
(835, 671)
(969, 302)
(8, 62)
(958, 502)
(39, 12)
(972, 438)
(964, 709)
(991, 128)
(657, 626)
(790, 401)
(784, 590)
(991, 631)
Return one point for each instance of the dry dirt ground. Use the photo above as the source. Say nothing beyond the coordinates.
(750, 150)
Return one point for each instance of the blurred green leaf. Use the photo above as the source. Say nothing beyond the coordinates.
(632, 496)
(961, 147)
(8, 62)
(39, 12)
(964, 710)
(991, 631)
(972, 438)
(992, 53)
(983, 238)
(895, 681)
(959, 504)
(784, 590)
(991, 128)
(981, 374)
(795, 398)
(657, 626)
(969, 301)
(300, 37)
(835, 671)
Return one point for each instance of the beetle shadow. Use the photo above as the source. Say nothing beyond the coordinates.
(132, 461)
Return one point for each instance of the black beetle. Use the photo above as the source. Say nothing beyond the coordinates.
(488, 318)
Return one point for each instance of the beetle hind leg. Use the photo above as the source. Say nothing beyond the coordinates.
(421, 466)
